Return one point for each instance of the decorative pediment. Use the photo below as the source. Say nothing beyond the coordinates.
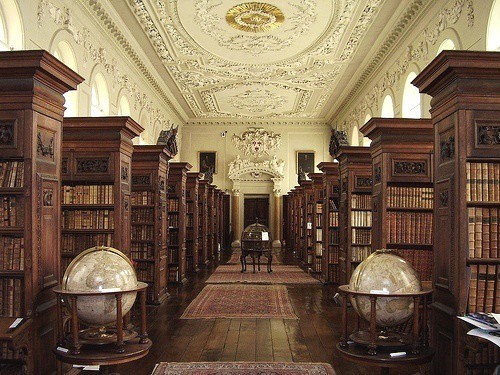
(257, 142)
(274, 167)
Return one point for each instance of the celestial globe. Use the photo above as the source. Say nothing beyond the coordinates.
(101, 269)
(385, 272)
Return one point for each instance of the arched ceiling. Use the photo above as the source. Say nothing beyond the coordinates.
(276, 59)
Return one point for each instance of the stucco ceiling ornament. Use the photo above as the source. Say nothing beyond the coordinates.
(257, 142)
(257, 100)
(274, 167)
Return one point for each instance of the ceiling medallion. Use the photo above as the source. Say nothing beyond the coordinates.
(254, 17)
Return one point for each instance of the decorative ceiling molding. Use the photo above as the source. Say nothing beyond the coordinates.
(301, 124)
(308, 69)
(63, 16)
(417, 51)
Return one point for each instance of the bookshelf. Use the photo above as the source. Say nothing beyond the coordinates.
(286, 223)
(226, 222)
(220, 227)
(317, 220)
(331, 230)
(96, 171)
(176, 221)
(403, 191)
(307, 214)
(211, 222)
(192, 221)
(32, 84)
(298, 220)
(217, 221)
(355, 165)
(148, 244)
(465, 107)
(203, 223)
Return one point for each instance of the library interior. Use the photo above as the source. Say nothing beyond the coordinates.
(293, 187)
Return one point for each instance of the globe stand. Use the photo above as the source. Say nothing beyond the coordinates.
(373, 346)
(97, 346)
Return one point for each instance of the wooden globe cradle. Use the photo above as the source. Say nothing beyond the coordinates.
(103, 353)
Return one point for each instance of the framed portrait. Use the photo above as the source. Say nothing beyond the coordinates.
(305, 161)
(207, 160)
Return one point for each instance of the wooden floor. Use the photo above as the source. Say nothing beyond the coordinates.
(312, 338)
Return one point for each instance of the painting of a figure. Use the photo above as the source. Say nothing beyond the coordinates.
(305, 162)
(207, 161)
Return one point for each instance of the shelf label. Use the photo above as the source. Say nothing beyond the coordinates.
(265, 236)
(16, 323)
(61, 349)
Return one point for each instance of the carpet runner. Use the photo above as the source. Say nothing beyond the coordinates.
(230, 274)
(243, 368)
(235, 259)
(241, 301)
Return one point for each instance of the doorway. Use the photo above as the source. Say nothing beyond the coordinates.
(256, 207)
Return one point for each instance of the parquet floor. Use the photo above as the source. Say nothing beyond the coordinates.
(312, 338)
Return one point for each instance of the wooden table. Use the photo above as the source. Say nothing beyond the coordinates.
(358, 354)
(19, 340)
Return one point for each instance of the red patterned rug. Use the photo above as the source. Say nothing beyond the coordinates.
(243, 368)
(241, 301)
(235, 258)
(230, 274)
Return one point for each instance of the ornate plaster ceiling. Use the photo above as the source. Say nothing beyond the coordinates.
(280, 59)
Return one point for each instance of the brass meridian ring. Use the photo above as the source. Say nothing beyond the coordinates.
(255, 17)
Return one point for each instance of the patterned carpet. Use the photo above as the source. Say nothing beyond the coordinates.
(235, 259)
(243, 368)
(241, 301)
(229, 274)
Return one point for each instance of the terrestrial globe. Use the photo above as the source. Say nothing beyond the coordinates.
(385, 272)
(100, 269)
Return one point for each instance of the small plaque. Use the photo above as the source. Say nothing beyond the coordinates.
(265, 236)
(16, 323)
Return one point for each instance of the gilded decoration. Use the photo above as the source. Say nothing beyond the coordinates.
(274, 167)
(255, 17)
(257, 142)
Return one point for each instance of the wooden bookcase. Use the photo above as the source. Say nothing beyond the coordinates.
(211, 222)
(465, 112)
(32, 84)
(355, 165)
(192, 221)
(286, 214)
(148, 248)
(176, 221)
(307, 239)
(220, 226)
(203, 223)
(217, 215)
(298, 221)
(226, 224)
(331, 230)
(317, 220)
(96, 171)
(403, 189)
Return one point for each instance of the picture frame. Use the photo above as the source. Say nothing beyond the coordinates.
(305, 161)
(207, 159)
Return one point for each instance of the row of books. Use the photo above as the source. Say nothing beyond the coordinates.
(142, 250)
(333, 256)
(12, 253)
(88, 194)
(173, 204)
(333, 219)
(483, 182)
(421, 261)
(361, 236)
(142, 197)
(173, 256)
(173, 239)
(361, 218)
(360, 253)
(361, 201)
(76, 243)
(11, 174)
(190, 220)
(334, 237)
(319, 219)
(483, 360)
(143, 233)
(484, 293)
(483, 232)
(333, 273)
(142, 215)
(144, 271)
(11, 212)
(318, 249)
(7, 353)
(173, 220)
(319, 234)
(319, 208)
(410, 197)
(11, 293)
(409, 227)
(189, 208)
(332, 205)
(88, 219)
